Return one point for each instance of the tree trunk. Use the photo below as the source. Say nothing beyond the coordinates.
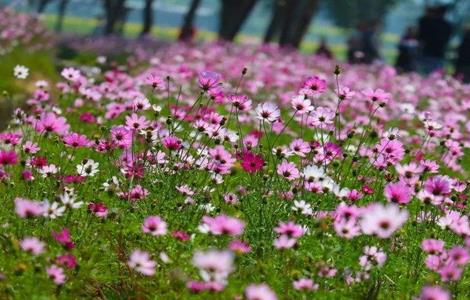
(42, 4)
(233, 14)
(61, 14)
(147, 18)
(289, 20)
(303, 24)
(114, 9)
(187, 27)
(279, 12)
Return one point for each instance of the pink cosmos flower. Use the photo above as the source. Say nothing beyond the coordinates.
(434, 293)
(56, 274)
(136, 193)
(284, 242)
(377, 96)
(306, 284)
(10, 138)
(71, 74)
(301, 105)
(398, 193)
(240, 102)
(155, 81)
(135, 122)
(208, 80)
(214, 265)
(121, 136)
(259, 292)
(50, 122)
(172, 143)
(224, 224)
(432, 246)
(76, 140)
(313, 85)
(141, 262)
(290, 229)
(437, 185)
(458, 255)
(450, 272)
(299, 147)
(381, 220)
(239, 247)
(32, 245)
(267, 112)
(30, 147)
(288, 170)
(154, 225)
(26, 208)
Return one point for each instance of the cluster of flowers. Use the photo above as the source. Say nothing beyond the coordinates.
(254, 159)
(19, 29)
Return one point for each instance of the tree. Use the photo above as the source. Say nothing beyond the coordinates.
(60, 14)
(115, 11)
(147, 17)
(277, 19)
(233, 14)
(290, 21)
(186, 31)
(42, 4)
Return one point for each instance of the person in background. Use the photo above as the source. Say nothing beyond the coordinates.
(323, 49)
(434, 33)
(462, 63)
(407, 51)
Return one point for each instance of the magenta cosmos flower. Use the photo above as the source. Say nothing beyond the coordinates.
(251, 162)
(64, 238)
(398, 193)
(76, 140)
(8, 158)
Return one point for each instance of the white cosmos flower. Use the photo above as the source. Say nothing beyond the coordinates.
(53, 210)
(69, 200)
(302, 206)
(87, 168)
(313, 172)
(21, 72)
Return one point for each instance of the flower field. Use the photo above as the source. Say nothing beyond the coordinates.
(221, 171)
